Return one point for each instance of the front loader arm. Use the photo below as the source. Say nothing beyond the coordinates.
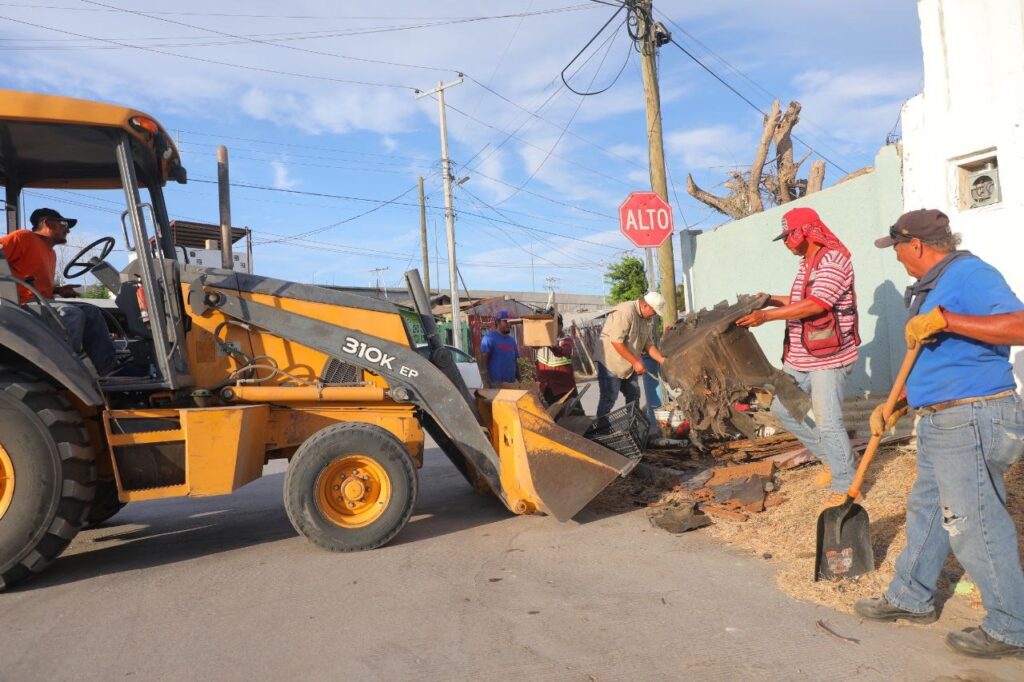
(411, 377)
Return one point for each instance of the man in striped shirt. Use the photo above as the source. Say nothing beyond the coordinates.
(821, 341)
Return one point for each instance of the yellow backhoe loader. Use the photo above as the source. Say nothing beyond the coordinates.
(226, 370)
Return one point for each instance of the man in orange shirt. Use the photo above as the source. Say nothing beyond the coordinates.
(32, 259)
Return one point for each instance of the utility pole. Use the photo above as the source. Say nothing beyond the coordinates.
(652, 35)
(649, 257)
(449, 213)
(377, 272)
(423, 239)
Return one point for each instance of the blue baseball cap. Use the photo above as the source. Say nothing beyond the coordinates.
(502, 315)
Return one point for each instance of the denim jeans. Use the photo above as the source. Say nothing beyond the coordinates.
(610, 385)
(651, 386)
(88, 331)
(824, 434)
(959, 502)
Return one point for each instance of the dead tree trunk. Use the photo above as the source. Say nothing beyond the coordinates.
(747, 192)
(816, 178)
(771, 121)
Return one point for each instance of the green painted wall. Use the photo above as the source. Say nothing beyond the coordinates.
(740, 257)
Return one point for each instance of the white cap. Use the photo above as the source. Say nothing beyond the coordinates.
(656, 301)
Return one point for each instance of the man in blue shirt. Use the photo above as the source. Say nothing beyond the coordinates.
(499, 354)
(971, 429)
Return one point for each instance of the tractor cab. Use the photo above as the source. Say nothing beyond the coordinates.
(59, 143)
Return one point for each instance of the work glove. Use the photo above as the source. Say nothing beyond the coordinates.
(921, 328)
(880, 424)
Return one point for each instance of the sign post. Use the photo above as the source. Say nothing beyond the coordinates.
(645, 219)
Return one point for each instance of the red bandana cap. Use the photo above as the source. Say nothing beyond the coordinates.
(802, 225)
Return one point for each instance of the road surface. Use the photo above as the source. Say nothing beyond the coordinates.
(223, 588)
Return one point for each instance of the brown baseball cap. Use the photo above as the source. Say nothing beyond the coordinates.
(926, 224)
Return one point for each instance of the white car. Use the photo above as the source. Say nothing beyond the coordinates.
(467, 366)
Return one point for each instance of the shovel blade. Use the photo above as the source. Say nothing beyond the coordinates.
(844, 543)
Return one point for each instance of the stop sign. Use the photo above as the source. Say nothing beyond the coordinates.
(645, 219)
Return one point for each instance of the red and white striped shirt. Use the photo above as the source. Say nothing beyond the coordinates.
(831, 286)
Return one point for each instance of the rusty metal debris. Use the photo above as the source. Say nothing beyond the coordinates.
(714, 364)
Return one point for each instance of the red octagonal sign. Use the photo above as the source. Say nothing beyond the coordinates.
(645, 219)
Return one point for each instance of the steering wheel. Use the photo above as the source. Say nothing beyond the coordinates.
(79, 266)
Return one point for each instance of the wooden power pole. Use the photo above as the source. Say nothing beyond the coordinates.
(656, 146)
(423, 238)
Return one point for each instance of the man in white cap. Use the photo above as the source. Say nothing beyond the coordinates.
(627, 333)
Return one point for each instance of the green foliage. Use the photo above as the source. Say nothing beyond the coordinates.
(627, 278)
(96, 291)
(681, 299)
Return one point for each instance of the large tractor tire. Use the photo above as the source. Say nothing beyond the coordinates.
(105, 504)
(350, 487)
(47, 475)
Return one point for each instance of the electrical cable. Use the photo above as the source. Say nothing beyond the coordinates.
(261, 42)
(752, 105)
(216, 62)
(565, 128)
(582, 49)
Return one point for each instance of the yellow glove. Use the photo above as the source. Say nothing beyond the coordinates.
(921, 328)
(880, 424)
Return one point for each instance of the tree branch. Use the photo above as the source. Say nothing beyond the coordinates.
(816, 178)
(754, 203)
(784, 153)
(717, 203)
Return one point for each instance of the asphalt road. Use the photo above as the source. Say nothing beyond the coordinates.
(223, 588)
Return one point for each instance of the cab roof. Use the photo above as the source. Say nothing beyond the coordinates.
(53, 141)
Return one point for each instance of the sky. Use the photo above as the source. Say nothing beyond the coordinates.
(316, 102)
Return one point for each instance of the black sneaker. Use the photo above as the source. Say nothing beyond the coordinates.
(882, 611)
(976, 642)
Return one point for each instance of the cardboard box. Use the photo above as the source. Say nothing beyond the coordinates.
(539, 331)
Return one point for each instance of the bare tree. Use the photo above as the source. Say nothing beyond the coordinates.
(749, 193)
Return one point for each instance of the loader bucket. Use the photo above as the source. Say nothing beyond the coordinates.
(542, 466)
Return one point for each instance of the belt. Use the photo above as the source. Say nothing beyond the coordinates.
(938, 407)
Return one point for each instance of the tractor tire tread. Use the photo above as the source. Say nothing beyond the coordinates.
(293, 493)
(78, 468)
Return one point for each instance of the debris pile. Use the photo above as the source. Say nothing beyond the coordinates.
(711, 365)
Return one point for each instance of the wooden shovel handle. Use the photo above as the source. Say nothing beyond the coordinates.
(890, 405)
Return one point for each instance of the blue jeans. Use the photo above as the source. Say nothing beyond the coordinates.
(824, 434)
(651, 386)
(610, 385)
(959, 502)
(87, 331)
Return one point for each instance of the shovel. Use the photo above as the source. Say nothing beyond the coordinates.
(844, 533)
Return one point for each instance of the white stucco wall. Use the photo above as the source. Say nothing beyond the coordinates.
(740, 258)
(973, 101)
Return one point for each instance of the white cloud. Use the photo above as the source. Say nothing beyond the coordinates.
(282, 179)
(856, 107)
(718, 147)
(389, 143)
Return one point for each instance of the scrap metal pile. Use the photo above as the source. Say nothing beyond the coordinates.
(712, 365)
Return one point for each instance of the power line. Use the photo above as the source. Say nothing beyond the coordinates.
(297, 146)
(747, 100)
(260, 42)
(508, 221)
(579, 6)
(214, 61)
(582, 49)
(565, 128)
(530, 144)
(740, 72)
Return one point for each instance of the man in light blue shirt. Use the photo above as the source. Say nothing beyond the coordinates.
(971, 429)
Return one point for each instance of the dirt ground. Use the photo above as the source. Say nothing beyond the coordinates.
(784, 533)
